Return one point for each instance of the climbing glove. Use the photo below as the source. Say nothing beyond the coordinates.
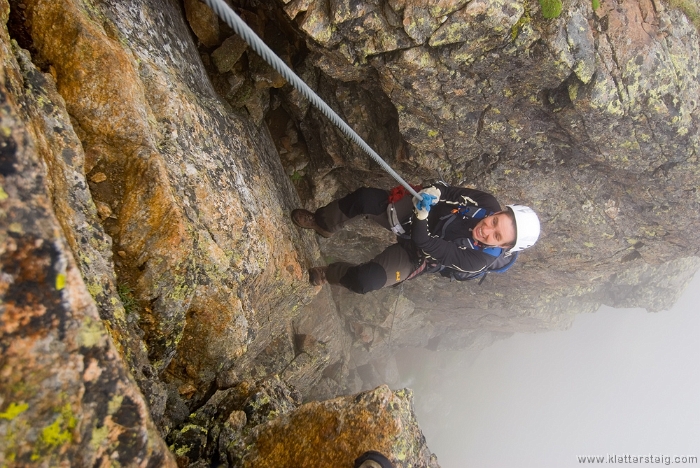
(431, 196)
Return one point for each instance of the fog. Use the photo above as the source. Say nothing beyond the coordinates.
(619, 382)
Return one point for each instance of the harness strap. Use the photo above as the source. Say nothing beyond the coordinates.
(473, 212)
(394, 221)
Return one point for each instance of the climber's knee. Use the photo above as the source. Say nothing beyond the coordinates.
(364, 278)
(364, 201)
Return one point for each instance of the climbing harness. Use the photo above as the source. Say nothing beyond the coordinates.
(232, 19)
(396, 195)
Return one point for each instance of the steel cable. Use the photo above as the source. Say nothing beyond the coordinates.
(232, 19)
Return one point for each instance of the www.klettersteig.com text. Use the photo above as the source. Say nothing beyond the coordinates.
(637, 459)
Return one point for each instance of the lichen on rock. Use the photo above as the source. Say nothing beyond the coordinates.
(150, 160)
(60, 367)
(263, 423)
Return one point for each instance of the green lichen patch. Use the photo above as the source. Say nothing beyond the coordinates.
(99, 434)
(181, 292)
(53, 435)
(181, 451)
(114, 404)
(60, 281)
(522, 21)
(551, 8)
(13, 411)
(94, 289)
(91, 333)
(56, 434)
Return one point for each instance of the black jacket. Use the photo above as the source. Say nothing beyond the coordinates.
(443, 250)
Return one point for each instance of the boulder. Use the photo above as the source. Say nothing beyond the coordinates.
(262, 424)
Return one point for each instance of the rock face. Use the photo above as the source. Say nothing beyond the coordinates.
(66, 394)
(262, 424)
(190, 193)
(150, 160)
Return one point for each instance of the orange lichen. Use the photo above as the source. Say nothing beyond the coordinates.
(330, 433)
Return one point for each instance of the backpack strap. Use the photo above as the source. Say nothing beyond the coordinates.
(467, 242)
(501, 262)
(473, 212)
(511, 260)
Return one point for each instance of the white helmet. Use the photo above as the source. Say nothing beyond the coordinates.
(527, 227)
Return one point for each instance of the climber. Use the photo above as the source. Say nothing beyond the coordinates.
(452, 229)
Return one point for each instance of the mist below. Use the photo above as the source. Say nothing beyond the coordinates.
(619, 382)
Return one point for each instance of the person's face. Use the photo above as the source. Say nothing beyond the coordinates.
(496, 230)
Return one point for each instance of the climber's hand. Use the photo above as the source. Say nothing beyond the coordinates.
(431, 196)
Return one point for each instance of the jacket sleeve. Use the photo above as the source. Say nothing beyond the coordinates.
(468, 196)
(445, 252)
(448, 253)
